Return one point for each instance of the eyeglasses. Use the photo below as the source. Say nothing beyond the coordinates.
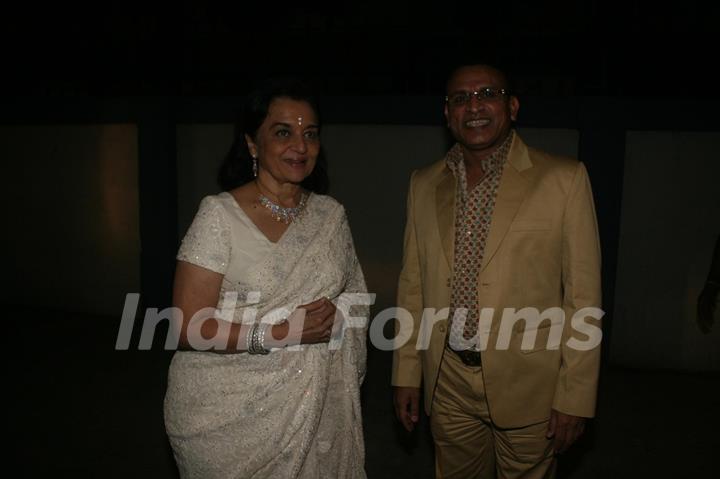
(484, 94)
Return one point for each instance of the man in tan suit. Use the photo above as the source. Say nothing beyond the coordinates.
(501, 245)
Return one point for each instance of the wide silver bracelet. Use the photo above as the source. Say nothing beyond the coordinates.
(258, 338)
(254, 339)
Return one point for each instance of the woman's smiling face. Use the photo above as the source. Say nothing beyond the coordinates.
(287, 143)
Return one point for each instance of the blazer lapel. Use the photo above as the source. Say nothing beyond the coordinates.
(444, 210)
(511, 193)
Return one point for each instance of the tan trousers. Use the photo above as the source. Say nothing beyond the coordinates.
(468, 445)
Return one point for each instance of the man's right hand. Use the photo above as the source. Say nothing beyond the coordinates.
(407, 405)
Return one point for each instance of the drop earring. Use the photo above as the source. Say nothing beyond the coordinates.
(255, 166)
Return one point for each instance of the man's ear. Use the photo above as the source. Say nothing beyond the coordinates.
(514, 107)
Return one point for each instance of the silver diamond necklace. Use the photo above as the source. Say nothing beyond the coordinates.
(282, 213)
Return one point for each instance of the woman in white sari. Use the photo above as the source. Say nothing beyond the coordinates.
(270, 388)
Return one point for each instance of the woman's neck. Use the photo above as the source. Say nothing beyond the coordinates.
(283, 194)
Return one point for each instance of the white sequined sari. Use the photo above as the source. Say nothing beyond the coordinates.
(294, 413)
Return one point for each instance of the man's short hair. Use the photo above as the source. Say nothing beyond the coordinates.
(508, 82)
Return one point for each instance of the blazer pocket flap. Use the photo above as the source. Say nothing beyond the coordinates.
(542, 338)
(521, 326)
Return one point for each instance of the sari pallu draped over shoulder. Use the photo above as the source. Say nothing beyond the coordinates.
(293, 413)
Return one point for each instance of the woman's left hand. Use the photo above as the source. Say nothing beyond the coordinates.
(309, 324)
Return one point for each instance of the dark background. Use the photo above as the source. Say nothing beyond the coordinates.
(191, 48)
(601, 68)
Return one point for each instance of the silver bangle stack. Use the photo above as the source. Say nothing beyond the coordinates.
(255, 339)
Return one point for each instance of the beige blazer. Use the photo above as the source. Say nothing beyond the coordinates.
(542, 251)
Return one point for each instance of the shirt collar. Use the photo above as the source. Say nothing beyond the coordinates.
(493, 163)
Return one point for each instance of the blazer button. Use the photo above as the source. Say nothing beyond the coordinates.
(441, 328)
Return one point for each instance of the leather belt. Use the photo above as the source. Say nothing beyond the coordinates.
(469, 358)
